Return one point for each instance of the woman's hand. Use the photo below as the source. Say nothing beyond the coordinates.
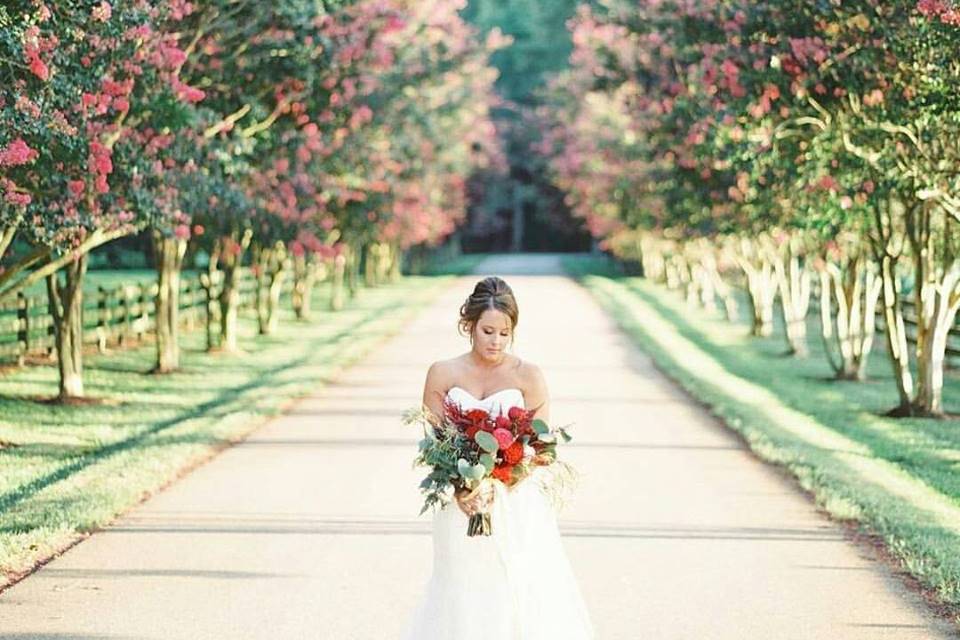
(476, 501)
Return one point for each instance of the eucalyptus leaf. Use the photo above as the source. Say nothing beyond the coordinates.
(488, 462)
(487, 442)
(540, 426)
(477, 471)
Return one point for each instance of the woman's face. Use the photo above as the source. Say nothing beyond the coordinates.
(492, 334)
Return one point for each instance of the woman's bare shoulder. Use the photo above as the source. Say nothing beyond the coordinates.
(531, 375)
(442, 371)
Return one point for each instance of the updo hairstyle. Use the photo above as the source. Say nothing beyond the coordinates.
(490, 293)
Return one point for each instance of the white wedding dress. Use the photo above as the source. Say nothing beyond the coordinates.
(515, 584)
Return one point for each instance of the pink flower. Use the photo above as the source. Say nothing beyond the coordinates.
(17, 152)
(100, 184)
(39, 68)
(18, 199)
(873, 98)
(102, 12)
(504, 438)
(182, 232)
(187, 93)
(76, 187)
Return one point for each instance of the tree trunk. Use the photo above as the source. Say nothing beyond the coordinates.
(210, 281)
(705, 286)
(793, 282)
(66, 309)
(856, 289)
(271, 270)
(353, 268)
(304, 279)
(762, 290)
(337, 282)
(396, 263)
(651, 259)
(896, 333)
(940, 301)
(169, 253)
(371, 261)
(229, 298)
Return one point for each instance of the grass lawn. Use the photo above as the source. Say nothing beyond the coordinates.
(898, 478)
(66, 470)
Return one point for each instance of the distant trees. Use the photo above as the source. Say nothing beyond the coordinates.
(277, 135)
(806, 142)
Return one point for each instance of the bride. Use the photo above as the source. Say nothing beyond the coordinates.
(515, 584)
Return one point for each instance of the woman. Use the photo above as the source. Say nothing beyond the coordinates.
(515, 584)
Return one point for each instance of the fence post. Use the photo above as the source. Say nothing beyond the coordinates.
(126, 330)
(144, 315)
(186, 303)
(103, 319)
(23, 332)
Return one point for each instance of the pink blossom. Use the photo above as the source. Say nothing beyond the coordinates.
(102, 12)
(185, 92)
(16, 153)
(39, 68)
(17, 198)
(100, 184)
(182, 232)
(76, 187)
(172, 57)
(504, 438)
(873, 98)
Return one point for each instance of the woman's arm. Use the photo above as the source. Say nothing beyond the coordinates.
(434, 389)
(536, 394)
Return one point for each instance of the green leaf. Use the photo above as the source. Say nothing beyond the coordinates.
(488, 461)
(477, 471)
(487, 442)
(540, 427)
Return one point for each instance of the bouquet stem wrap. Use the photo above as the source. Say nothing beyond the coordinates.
(479, 525)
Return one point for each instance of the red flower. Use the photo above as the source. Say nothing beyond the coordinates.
(503, 472)
(516, 413)
(477, 415)
(514, 453)
(503, 422)
(39, 68)
(472, 431)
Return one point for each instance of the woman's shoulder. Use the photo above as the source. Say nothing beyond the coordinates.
(530, 375)
(442, 370)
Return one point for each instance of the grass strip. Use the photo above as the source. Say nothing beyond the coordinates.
(859, 466)
(67, 470)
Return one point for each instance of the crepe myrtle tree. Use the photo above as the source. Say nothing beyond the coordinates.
(74, 74)
(887, 90)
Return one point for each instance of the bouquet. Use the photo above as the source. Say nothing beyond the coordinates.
(465, 448)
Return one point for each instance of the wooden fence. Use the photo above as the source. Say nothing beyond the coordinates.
(111, 315)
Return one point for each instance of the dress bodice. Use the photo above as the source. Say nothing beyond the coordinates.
(497, 403)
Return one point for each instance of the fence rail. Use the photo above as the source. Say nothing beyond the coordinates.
(114, 314)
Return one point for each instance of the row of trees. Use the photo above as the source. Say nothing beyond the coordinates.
(783, 141)
(281, 136)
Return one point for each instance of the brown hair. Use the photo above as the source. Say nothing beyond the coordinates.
(489, 293)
